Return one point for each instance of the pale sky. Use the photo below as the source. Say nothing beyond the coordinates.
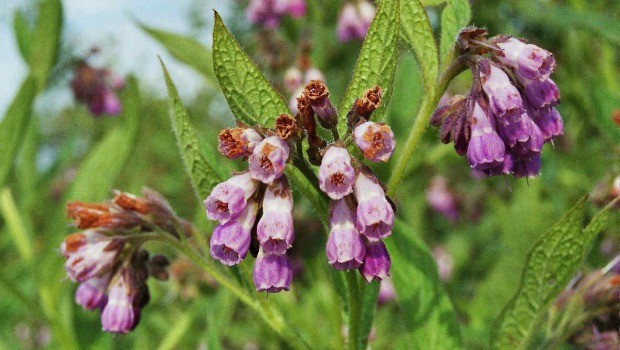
(108, 25)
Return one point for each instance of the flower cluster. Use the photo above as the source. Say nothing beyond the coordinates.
(354, 20)
(256, 205)
(107, 259)
(97, 88)
(269, 13)
(509, 113)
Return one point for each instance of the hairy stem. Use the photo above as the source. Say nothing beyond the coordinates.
(424, 114)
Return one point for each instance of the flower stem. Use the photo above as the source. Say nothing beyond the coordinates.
(424, 114)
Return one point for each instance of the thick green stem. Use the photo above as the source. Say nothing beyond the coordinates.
(424, 114)
(355, 309)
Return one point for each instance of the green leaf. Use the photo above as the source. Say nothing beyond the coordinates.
(202, 174)
(250, 97)
(13, 126)
(377, 60)
(23, 34)
(16, 226)
(104, 164)
(369, 306)
(185, 49)
(417, 33)
(454, 17)
(430, 318)
(45, 40)
(550, 265)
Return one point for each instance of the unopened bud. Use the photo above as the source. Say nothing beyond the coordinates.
(318, 96)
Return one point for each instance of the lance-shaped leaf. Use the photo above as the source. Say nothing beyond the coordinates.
(417, 33)
(185, 49)
(23, 34)
(202, 174)
(250, 96)
(377, 61)
(454, 17)
(13, 126)
(430, 317)
(45, 40)
(550, 265)
(104, 164)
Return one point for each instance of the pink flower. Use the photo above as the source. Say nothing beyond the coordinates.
(268, 159)
(375, 140)
(336, 175)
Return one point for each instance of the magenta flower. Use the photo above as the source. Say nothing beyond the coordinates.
(92, 294)
(376, 140)
(125, 300)
(229, 198)
(97, 88)
(377, 262)
(345, 248)
(296, 8)
(93, 258)
(540, 94)
(504, 98)
(486, 149)
(527, 167)
(375, 215)
(549, 121)
(529, 61)
(275, 228)
(268, 159)
(336, 175)
(272, 273)
(354, 20)
(230, 242)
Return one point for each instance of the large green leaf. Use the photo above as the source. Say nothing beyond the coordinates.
(202, 174)
(23, 34)
(185, 49)
(45, 40)
(104, 164)
(430, 318)
(377, 60)
(250, 96)
(551, 263)
(13, 126)
(454, 17)
(416, 31)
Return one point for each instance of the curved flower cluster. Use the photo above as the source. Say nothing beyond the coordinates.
(97, 88)
(354, 20)
(108, 261)
(502, 125)
(256, 205)
(269, 13)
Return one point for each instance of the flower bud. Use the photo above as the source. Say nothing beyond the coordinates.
(376, 140)
(317, 94)
(375, 215)
(230, 242)
(345, 248)
(229, 198)
(86, 215)
(127, 295)
(92, 294)
(275, 228)
(336, 175)
(364, 107)
(529, 61)
(238, 142)
(272, 273)
(268, 160)
(158, 267)
(354, 20)
(377, 262)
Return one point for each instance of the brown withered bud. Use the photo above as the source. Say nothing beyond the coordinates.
(130, 202)
(158, 267)
(86, 215)
(318, 96)
(452, 120)
(119, 221)
(472, 39)
(364, 107)
(286, 127)
(238, 142)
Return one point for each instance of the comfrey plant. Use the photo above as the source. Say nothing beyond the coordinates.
(108, 260)
(97, 88)
(257, 205)
(509, 113)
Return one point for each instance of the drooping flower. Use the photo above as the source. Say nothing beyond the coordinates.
(97, 254)
(345, 247)
(486, 149)
(97, 88)
(376, 140)
(230, 242)
(275, 228)
(336, 175)
(229, 198)
(127, 296)
(268, 159)
(354, 20)
(504, 98)
(528, 60)
(375, 215)
(238, 142)
(92, 294)
(549, 121)
(272, 273)
(377, 262)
